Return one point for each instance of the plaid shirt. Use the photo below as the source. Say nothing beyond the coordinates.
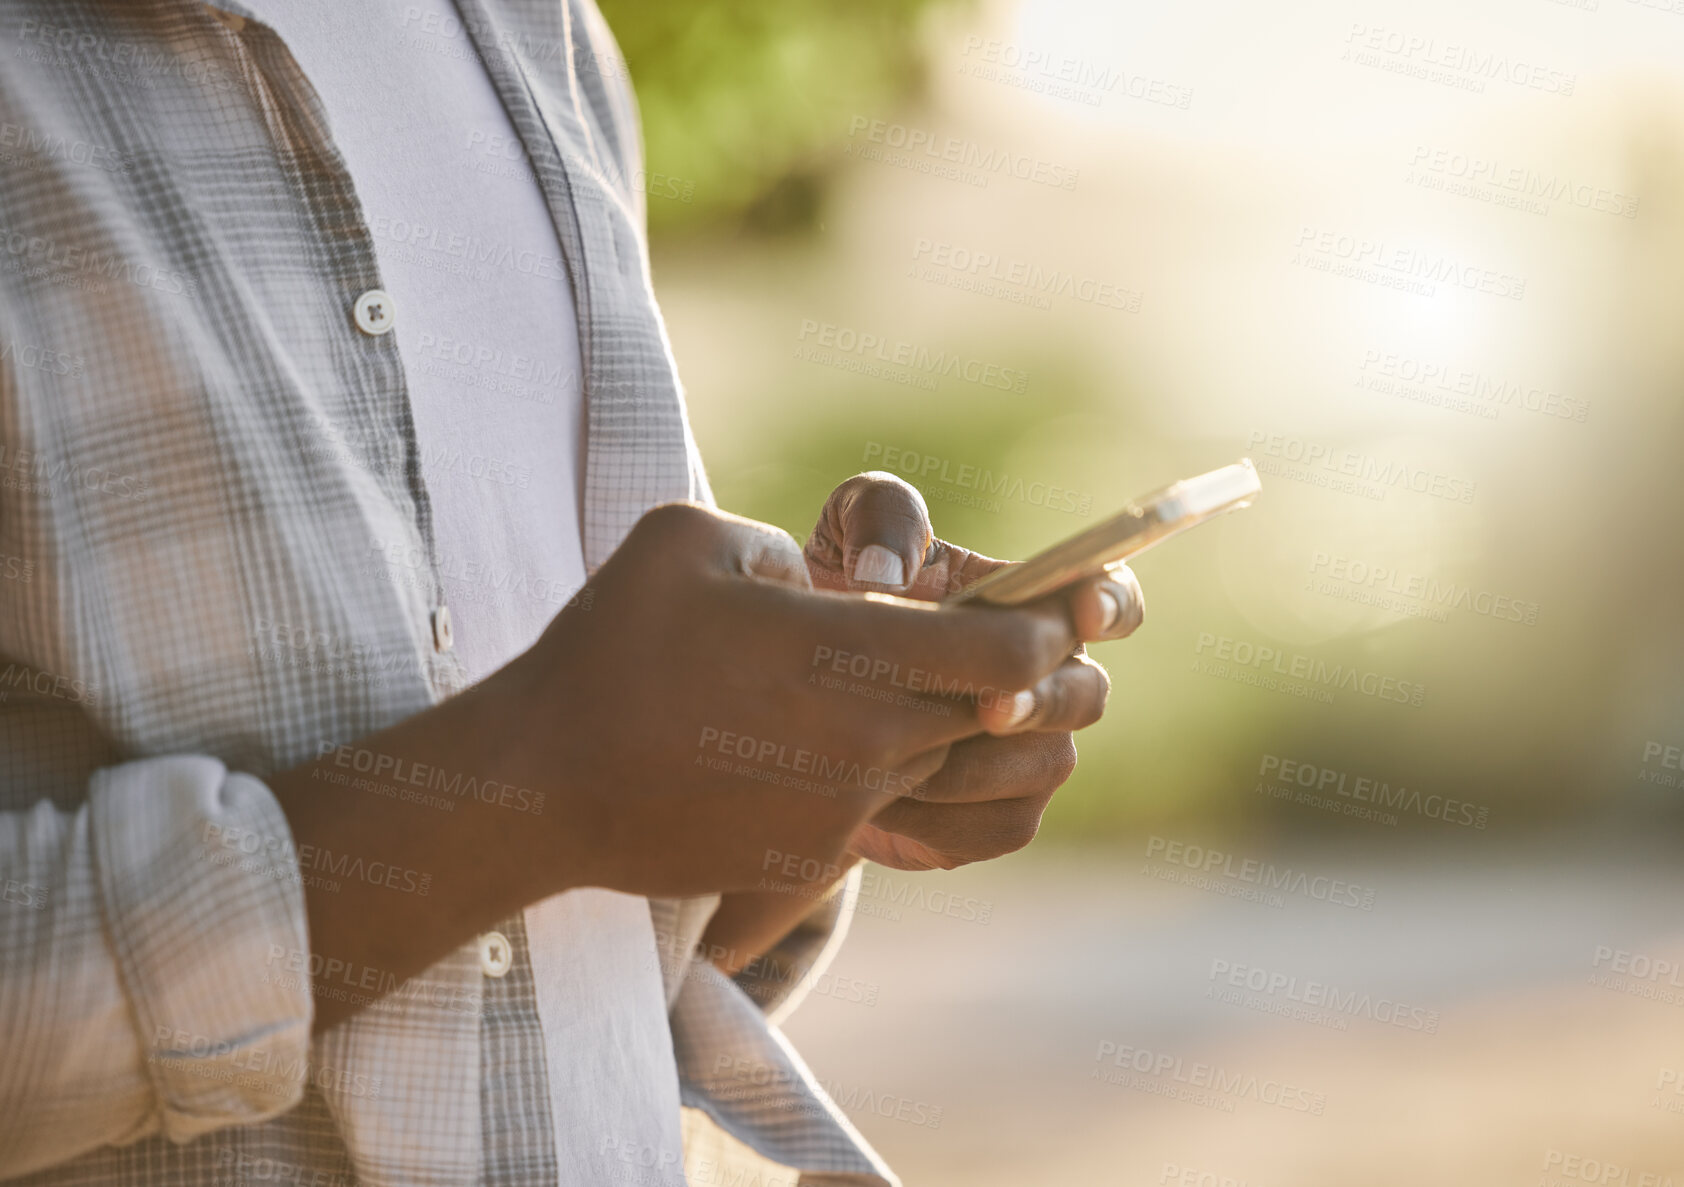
(181, 251)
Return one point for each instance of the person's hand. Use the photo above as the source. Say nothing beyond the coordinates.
(693, 729)
(987, 798)
(668, 735)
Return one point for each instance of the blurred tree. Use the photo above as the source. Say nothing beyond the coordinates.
(738, 96)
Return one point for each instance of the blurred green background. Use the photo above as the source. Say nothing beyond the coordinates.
(756, 108)
(741, 98)
(1269, 184)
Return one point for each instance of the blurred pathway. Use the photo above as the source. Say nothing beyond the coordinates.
(1542, 978)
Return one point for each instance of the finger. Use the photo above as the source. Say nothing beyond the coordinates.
(872, 534)
(951, 651)
(987, 767)
(893, 690)
(962, 833)
(1109, 607)
(726, 543)
(1071, 698)
(909, 779)
(947, 569)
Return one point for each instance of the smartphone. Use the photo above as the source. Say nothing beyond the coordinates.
(1138, 526)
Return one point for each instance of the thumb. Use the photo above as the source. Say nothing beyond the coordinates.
(873, 534)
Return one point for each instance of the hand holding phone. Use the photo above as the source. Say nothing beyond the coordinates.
(1141, 524)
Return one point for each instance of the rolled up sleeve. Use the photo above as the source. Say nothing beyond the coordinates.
(145, 945)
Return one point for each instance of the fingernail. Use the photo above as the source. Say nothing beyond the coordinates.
(1110, 610)
(1023, 704)
(879, 566)
(1137, 604)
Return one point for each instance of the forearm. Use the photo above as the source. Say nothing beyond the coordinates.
(750, 923)
(453, 865)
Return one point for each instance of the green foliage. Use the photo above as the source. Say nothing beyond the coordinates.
(738, 98)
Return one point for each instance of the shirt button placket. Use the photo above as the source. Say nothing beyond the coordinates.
(496, 954)
(374, 313)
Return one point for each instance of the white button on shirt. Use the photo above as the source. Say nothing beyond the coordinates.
(488, 337)
(496, 956)
(374, 313)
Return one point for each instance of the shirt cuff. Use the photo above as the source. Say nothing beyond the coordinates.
(204, 906)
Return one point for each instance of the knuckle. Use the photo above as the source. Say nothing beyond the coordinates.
(668, 522)
(1061, 758)
(774, 541)
(881, 482)
(1018, 828)
(1019, 656)
(1099, 681)
(1053, 697)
